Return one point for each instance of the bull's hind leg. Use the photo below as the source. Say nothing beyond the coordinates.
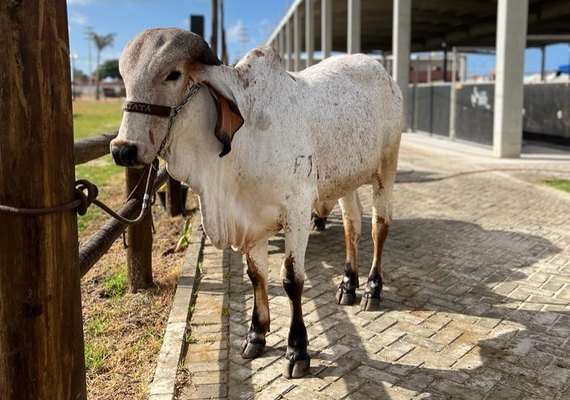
(381, 215)
(352, 221)
(254, 342)
(293, 278)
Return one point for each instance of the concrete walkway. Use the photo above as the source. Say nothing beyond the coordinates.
(476, 296)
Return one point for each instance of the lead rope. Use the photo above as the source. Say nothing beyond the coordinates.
(86, 193)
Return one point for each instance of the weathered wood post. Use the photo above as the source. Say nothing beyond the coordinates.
(139, 237)
(41, 336)
(174, 197)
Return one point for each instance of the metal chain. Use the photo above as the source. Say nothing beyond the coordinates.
(174, 113)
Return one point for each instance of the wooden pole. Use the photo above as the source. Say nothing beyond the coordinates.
(139, 238)
(102, 240)
(41, 336)
(174, 197)
(225, 56)
(214, 37)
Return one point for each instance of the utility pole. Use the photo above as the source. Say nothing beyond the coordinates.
(214, 37)
(89, 38)
(225, 58)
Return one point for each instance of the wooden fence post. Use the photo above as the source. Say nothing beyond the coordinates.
(139, 238)
(174, 197)
(41, 333)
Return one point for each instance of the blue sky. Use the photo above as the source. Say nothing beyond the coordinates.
(126, 18)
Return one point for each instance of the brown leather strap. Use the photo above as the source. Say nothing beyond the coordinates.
(146, 108)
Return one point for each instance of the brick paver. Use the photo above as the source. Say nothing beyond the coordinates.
(476, 297)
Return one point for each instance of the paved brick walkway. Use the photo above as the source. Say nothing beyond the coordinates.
(476, 296)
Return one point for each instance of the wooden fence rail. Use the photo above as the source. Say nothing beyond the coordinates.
(100, 242)
(139, 238)
(93, 148)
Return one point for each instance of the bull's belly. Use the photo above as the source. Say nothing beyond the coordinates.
(336, 186)
(238, 225)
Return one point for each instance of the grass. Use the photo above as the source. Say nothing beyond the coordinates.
(122, 330)
(560, 184)
(115, 285)
(91, 118)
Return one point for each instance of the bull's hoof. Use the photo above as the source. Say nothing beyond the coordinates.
(318, 224)
(252, 348)
(345, 297)
(297, 364)
(369, 303)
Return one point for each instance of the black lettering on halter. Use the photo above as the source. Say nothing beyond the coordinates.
(161, 111)
(146, 108)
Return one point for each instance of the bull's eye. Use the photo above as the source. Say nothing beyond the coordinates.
(173, 76)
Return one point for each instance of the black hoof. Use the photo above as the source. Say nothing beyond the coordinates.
(345, 297)
(318, 224)
(369, 303)
(297, 364)
(252, 348)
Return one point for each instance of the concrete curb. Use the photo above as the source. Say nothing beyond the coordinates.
(163, 386)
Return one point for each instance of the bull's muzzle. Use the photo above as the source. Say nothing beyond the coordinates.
(125, 155)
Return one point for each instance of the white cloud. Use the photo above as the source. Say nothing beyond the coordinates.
(237, 33)
(78, 19)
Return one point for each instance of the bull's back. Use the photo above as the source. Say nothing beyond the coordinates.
(355, 113)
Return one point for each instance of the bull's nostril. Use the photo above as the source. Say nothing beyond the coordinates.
(125, 155)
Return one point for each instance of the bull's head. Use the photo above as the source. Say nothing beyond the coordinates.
(159, 68)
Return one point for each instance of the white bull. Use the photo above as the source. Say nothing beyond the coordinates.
(262, 147)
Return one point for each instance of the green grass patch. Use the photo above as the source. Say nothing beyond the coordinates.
(115, 285)
(91, 118)
(95, 326)
(560, 184)
(96, 347)
(96, 353)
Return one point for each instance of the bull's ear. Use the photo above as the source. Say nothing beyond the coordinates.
(229, 120)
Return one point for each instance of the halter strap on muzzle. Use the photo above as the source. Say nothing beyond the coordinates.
(146, 108)
(161, 111)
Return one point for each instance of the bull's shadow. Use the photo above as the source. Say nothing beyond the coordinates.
(438, 265)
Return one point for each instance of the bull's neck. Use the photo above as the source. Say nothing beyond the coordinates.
(193, 153)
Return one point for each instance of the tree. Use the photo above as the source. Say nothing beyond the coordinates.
(101, 42)
(110, 69)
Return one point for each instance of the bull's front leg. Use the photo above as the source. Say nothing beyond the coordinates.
(254, 342)
(293, 278)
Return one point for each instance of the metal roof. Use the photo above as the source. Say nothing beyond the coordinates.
(434, 22)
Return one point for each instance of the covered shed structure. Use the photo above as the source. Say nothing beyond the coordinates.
(399, 27)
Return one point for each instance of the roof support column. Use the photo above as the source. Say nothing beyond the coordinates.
(353, 33)
(309, 31)
(297, 39)
(542, 62)
(326, 28)
(281, 40)
(401, 42)
(511, 40)
(288, 52)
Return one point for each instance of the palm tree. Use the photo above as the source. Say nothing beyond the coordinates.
(101, 42)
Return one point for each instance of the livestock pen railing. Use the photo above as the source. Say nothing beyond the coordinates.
(41, 327)
(139, 235)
